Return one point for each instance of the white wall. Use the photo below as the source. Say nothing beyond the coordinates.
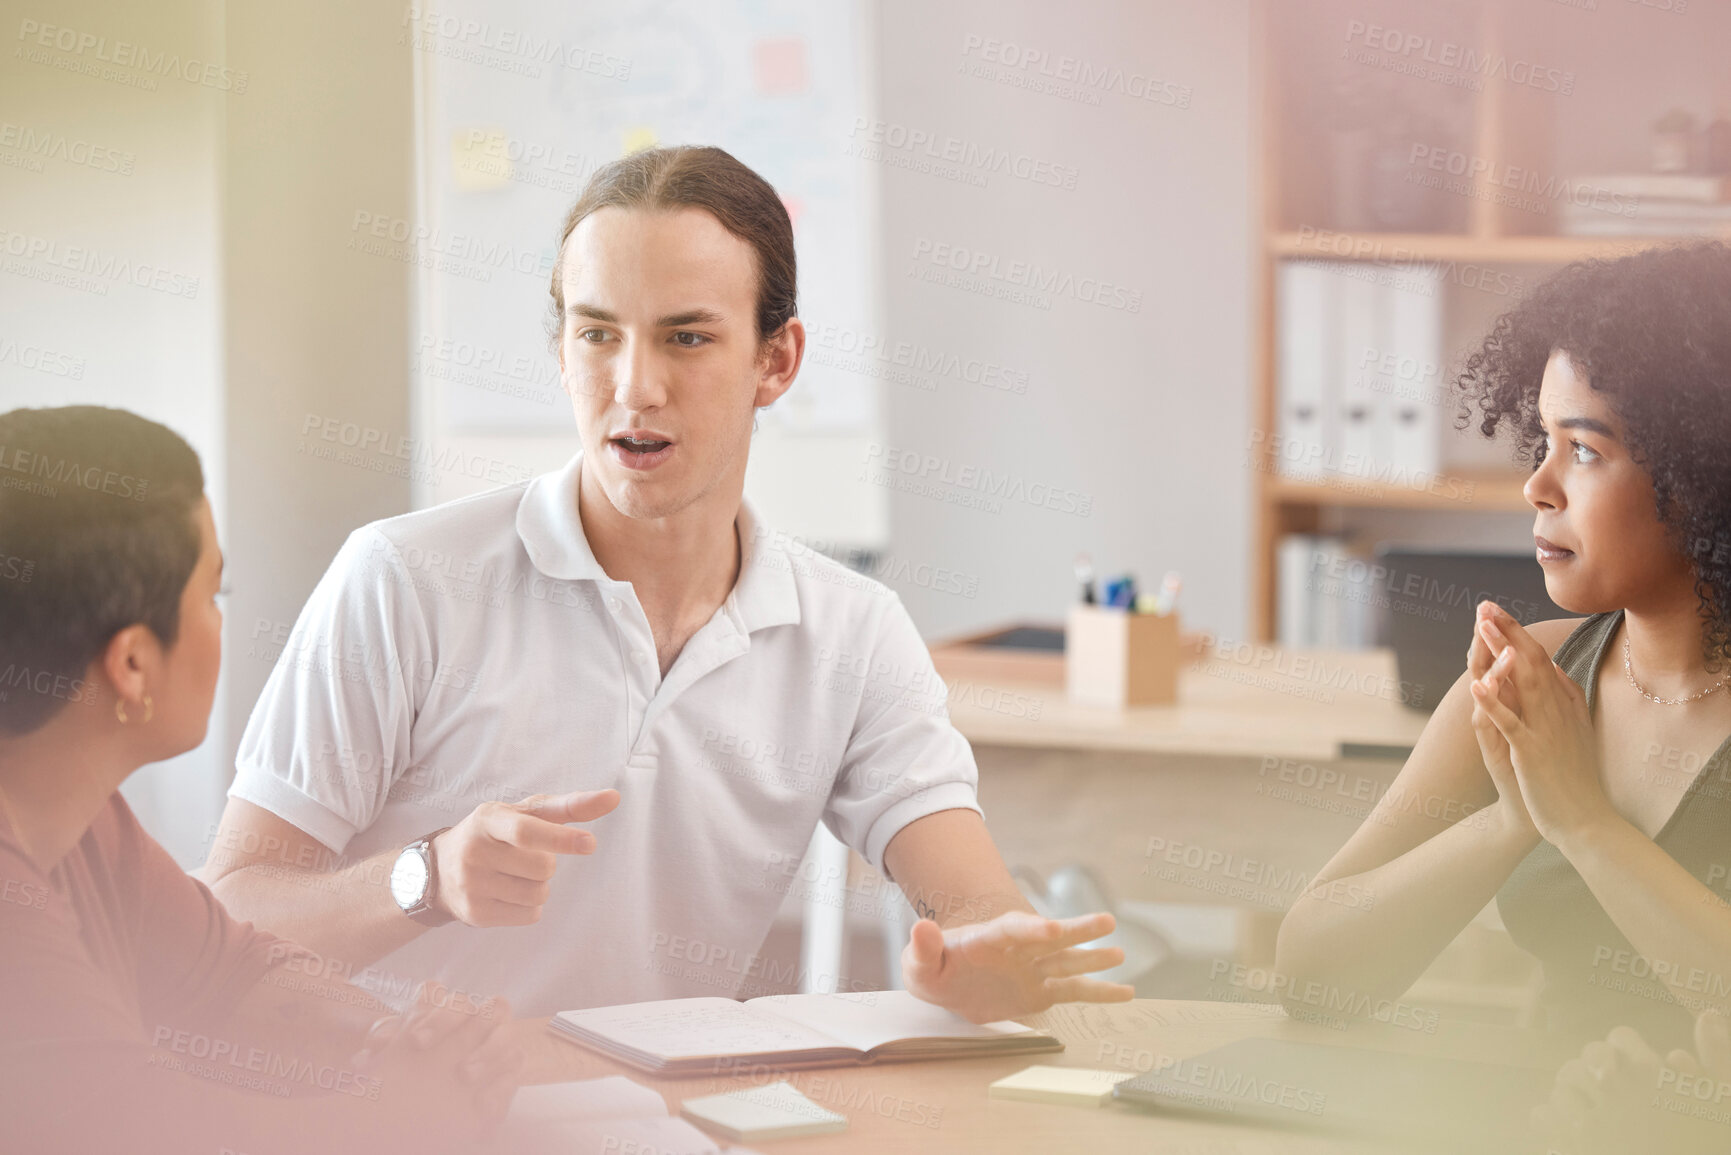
(315, 330)
(130, 174)
(247, 185)
(1145, 413)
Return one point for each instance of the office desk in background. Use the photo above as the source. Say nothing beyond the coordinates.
(1232, 796)
(1315, 705)
(943, 1106)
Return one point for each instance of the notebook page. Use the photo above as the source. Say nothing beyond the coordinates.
(697, 1028)
(868, 1019)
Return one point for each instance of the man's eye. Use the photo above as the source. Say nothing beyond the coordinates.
(696, 339)
(1583, 454)
(593, 336)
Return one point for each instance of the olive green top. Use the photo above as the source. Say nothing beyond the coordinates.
(1594, 979)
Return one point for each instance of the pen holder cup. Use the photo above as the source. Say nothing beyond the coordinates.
(1116, 658)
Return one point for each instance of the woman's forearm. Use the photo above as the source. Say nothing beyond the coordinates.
(1679, 925)
(1372, 934)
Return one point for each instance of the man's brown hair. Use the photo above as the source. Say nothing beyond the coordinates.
(705, 178)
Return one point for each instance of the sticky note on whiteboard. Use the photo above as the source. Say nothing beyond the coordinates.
(479, 160)
(778, 66)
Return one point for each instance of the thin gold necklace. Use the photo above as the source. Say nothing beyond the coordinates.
(1629, 672)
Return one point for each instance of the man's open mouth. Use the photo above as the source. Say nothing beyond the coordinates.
(640, 445)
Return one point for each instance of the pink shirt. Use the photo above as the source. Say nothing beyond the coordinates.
(112, 950)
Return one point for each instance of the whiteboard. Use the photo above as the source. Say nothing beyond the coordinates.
(520, 102)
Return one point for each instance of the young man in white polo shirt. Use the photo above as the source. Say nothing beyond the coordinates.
(622, 643)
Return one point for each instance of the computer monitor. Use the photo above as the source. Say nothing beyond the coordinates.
(1427, 601)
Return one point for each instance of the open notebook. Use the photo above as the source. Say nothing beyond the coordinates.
(689, 1036)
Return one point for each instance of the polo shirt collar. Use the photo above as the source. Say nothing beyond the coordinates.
(552, 534)
(765, 594)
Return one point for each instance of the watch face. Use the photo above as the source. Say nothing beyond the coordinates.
(409, 878)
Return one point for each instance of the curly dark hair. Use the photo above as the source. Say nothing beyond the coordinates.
(1652, 332)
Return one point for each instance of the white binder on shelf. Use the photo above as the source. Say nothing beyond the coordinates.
(1328, 604)
(1306, 368)
(1358, 604)
(1363, 305)
(1411, 430)
(1293, 591)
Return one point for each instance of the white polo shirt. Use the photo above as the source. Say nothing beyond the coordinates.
(477, 651)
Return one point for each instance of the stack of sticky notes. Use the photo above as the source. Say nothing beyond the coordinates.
(1073, 1086)
(772, 1111)
(611, 1114)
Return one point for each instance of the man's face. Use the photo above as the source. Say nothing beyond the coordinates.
(659, 353)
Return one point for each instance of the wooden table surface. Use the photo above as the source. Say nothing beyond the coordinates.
(942, 1106)
(1254, 700)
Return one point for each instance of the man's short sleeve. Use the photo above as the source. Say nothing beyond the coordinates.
(904, 759)
(331, 731)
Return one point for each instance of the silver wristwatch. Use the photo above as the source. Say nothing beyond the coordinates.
(415, 882)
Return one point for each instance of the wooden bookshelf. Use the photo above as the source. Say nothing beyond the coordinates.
(1479, 492)
(1508, 125)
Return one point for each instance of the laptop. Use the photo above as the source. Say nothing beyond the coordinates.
(1427, 600)
(1416, 1102)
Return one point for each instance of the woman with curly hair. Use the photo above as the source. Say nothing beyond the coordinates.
(1591, 752)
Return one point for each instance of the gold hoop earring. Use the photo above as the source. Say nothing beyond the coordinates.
(120, 710)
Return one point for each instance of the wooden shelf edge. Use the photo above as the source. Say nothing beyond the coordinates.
(1474, 493)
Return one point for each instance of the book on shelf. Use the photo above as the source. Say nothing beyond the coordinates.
(1646, 205)
(1658, 186)
(696, 1036)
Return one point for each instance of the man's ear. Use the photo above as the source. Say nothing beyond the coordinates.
(779, 365)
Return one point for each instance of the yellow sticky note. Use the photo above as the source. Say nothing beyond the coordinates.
(639, 138)
(773, 1111)
(1072, 1086)
(479, 159)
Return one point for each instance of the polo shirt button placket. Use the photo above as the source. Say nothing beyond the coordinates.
(643, 755)
(636, 694)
